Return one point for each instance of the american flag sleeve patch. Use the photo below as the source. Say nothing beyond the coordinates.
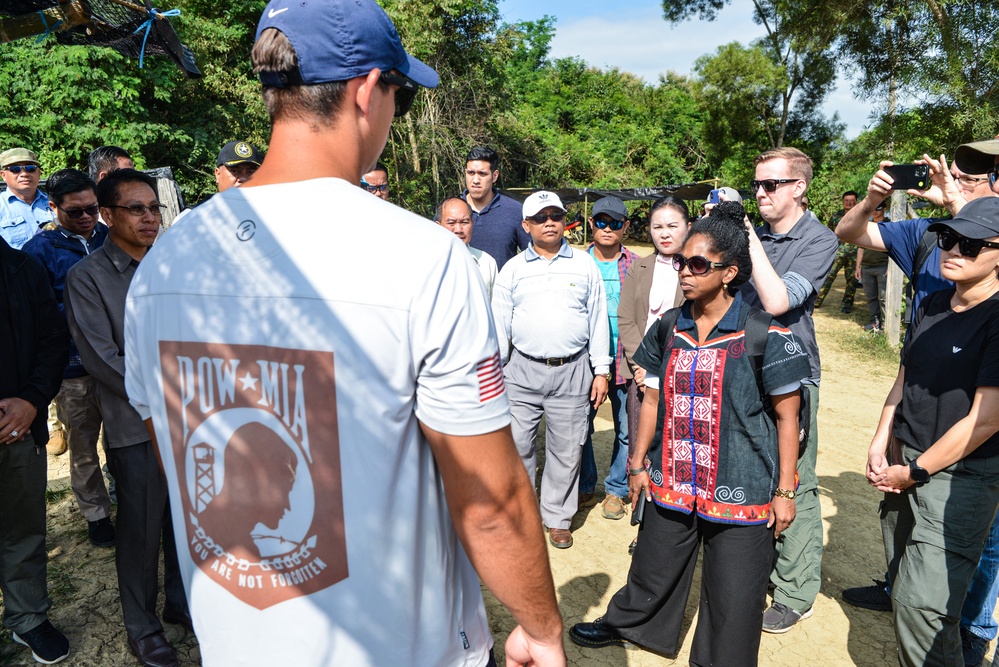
(490, 374)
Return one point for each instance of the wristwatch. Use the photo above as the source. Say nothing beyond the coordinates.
(787, 494)
(919, 475)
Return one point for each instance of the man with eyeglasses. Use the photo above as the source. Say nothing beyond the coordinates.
(550, 310)
(376, 181)
(236, 163)
(792, 253)
(395, 479)
(96, 288)
(498, 223)
(78, 233)
(915, 250)
(608, 223)
(24, 209)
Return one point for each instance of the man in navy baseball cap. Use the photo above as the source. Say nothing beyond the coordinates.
(396, 485)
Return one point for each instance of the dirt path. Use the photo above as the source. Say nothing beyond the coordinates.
(86, 607)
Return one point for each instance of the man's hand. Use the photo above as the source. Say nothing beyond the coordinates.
(521, 649)
(16, 415)
(639, 375)
(858, 273)
(598, 392)
(880, 185)
(945, 191)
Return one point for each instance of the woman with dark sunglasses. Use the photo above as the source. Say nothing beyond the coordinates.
(712, 464)
(943, 416)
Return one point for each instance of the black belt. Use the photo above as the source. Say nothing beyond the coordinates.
(553, 361)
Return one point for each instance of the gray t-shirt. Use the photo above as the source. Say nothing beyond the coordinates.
(806, 252)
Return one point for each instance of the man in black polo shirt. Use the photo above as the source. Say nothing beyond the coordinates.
(792, 253)
(498, 229)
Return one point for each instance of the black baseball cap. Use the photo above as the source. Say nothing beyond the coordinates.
(611, 206)
(238, 152)
(978, 219)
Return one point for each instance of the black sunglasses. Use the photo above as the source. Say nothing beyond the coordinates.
(967, 247)
(770, 184)
(404, 94)
(374, 188)
(993, 176)
(615, 225)
(539, 219)
(698, 265)
(77, 213)
(16, 168)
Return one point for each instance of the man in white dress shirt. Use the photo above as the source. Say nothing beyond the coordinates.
(551, 319)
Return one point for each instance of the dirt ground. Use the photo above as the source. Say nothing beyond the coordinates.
(85, 604)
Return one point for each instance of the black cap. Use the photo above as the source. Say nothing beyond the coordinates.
(979, 219)
(611, 206)
(238, 152)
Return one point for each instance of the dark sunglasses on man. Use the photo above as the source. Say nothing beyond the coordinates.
(615, 225)
(77, 213)
(404, 94)
(16, 168)
(993, 175)
(967, 247)
(770, 184)
(697, 265)
(374, 188)
(540, 218)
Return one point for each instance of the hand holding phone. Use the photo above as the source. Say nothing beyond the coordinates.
(639, 514)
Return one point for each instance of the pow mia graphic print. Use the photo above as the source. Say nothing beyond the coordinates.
(254, 436)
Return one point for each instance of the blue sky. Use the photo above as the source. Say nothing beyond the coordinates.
(634, 37)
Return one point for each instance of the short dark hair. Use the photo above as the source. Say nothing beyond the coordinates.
(66, 182)
(317, 104)
(726, 229)
(850, 192)
(439, 214)
(673, 202)
(378, 167)
(105, 158)
(107, 189)
(484, 153)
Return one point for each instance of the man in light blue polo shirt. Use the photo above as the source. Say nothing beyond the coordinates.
(23, 208)
(550, 311)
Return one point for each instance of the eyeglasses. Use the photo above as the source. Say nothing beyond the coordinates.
(374, 188)
(77, 213)
(969, 181)
(404, 94)
(967, 247)
(770, 184)
(140, 209)
(697, 265)
(540, 218)
(16, 168)
(615, 225)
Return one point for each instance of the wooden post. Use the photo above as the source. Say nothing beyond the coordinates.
(893, 291)
(586, 215)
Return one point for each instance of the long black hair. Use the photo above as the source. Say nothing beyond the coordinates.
(726, 231)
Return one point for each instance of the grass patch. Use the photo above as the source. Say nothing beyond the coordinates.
(55, 495)
(873, 347)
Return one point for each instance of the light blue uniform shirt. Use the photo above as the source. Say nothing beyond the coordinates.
(20, 221)
(553, 308)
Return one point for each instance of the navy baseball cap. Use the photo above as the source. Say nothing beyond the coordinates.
(978, 219)
(337, 40)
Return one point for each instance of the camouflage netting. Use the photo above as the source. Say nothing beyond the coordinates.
(119, 24)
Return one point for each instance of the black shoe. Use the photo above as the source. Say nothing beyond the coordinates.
(874, 597)
(154, 651)
(48, 645)
(177, 617)
(594, 635)
(846, 310)
(101, 532)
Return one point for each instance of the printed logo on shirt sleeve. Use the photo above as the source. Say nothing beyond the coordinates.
(255, 444)
(490, 375)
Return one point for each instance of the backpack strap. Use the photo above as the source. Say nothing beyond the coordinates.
(926, 245)
(757, 328)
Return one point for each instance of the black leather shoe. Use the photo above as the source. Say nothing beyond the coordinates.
(181, 618)
(154, 651)
(594, 635)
